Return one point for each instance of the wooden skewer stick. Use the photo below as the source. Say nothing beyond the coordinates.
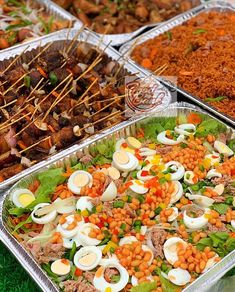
(40, 53)
(108, 99)
(17, 81)
(14, 61)
(35, 144)
(9, 103)
(29, 124)
(12, 123)
(28, 99)
(108, 105)
(15, 115)
(53, 90)
(57, 100)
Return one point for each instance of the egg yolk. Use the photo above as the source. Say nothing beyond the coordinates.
(88, 259)
(81, 180)
(26, 199)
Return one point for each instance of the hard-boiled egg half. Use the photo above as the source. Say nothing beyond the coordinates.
(137, 186)
(135, 281)
(177, 193)
(190, 178)
(79, 179)
(61, 267)
(144, 175)
(68, 242)
(162, 138)
(186, 129)
(147, 249)
(45, 218)
(110, 193)
(171, 248)
(65, 206)
(179, 276)
(87, 258)
(84, 203)
(83, 234)
(214, 158)
(213, 173)
(22, 197)
(102, 285)
(202, 201)
(127, 240)
(69, 225)
(198, 222)
(173, 215)
(223, 148)
(124, 161)
(210, 263)
(176, 169)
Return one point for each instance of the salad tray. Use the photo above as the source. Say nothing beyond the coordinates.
(206, 6)
(70, 158)
(30, 50)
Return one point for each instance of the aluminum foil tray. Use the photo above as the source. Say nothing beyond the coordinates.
(31, 49)
(53, 10)
(127, 48)
(123, 130)
(120, 39)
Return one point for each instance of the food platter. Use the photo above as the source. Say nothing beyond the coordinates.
(179, 113)
(43, 47)
(174, 26)
(117, 19)
(22, 21)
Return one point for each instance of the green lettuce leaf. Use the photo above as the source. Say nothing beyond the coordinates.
(210, 126)
(22, 223)
(145, 287)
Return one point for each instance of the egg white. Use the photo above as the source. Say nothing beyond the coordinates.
(161, 137)
(138, 187)
(131, 165)
(84, 203)
(196, 223)
(177, 167)
(170, 249)
(223, 148)
(44, 219)
(17, 193)
(179, 276)
(83, 234)
(86, 251)
(72, 187)
(69, 233)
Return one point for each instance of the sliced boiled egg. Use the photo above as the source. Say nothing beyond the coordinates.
(69, 225)
(176, 168)
(171, 248)
(219, 189)
(233, 224)
(44, 219)
(122, 145)
(83, 234)
(162, 138)
(113, 173)
(223, 148)
(190, 177)
(210, 263)
(146, 248)
(127, 240)
(124, 161)
(84, 203)
(198, 222)
(186, 129)
(213, 173)
(214, 158)
(68, 242)
(144, 175)
(65, 206)
(145, 151)
(22, 197)
(202, 201)
(173, 215)
(110, 193)
(178, 192)
(87, 258)
(61, 267)
(79, 179)
(137, 186)
(179, 276)
(119, 143)
(102, 285)
(132, 142)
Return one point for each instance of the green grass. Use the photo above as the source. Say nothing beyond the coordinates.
(13, 277)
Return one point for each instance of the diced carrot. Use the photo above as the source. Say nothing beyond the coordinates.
(51, 128)
(78, 272)
(186, 73)
(21, 144)
(194, 118)
(54, 93)
(42, 72)
(221, 32)
(147, 63)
